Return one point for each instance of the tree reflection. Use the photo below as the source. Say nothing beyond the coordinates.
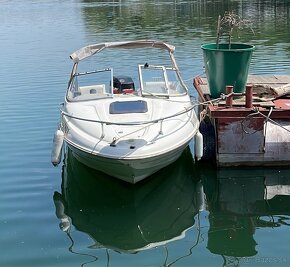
(185, 18)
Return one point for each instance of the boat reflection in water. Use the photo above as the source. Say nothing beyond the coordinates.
(125, 217)
(240, 202)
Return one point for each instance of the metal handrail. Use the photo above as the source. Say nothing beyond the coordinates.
(128, 123)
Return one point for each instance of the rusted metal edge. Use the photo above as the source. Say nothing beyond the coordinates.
(222, 112)
(197, 81)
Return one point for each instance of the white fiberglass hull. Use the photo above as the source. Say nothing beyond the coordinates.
(129, 170)
(130, 152)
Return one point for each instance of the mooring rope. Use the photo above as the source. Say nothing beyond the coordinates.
(269, 119)
(243, 121)
(222, 97)
(256, 112)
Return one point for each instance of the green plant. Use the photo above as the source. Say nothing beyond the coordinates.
(229, 23)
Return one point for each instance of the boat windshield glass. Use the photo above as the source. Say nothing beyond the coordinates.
(91, 85)
(160, 80)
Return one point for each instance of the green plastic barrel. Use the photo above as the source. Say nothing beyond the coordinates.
(224, 66)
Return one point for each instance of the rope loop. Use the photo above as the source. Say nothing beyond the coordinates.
(267, 118)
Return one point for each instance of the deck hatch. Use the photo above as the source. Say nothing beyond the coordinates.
(123, 107)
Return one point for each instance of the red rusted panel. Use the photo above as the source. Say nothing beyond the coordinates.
(282, 103)
(227, 112)
(240, 135)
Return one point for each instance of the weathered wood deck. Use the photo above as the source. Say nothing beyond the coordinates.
(271, 80)
(260, 94)
(251, 136)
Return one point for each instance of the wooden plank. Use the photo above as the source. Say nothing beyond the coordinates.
(242, 103)
(273, 81)
(261, 79)
(258, 79)
(283, 78)
(205, 88)
(268, 79)
(282, 90)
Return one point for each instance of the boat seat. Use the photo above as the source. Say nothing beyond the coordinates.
(92, 89)
(155, 87)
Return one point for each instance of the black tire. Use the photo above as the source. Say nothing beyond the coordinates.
(207, 130)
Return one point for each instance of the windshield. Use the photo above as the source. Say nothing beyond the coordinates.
(160, 80)
(91, 85)
(126, 79)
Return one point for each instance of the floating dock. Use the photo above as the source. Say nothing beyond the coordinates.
(250, 129)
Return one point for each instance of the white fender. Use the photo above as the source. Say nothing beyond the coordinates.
(57, 147)
(65, 221)
(198, 145)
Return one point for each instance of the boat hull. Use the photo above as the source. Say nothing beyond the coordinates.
(129, 170)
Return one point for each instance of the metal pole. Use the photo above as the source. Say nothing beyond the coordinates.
(249, 96)
(229, 99)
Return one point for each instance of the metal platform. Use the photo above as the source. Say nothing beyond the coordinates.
(257, 135)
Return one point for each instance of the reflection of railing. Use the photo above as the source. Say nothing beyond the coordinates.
(190, 249)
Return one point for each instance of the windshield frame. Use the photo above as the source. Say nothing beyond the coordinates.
(161, 84)
(97, 91)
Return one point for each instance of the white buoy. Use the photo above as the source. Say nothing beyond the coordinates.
(57, 147)
(198, 145)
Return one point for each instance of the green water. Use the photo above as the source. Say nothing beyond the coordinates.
(187, 214)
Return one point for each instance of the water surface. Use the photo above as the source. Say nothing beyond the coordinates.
(187, 214)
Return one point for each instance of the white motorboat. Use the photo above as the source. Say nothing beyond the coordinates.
(126, 126)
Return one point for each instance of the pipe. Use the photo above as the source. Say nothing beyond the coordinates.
(249, 96)
(229, 99)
